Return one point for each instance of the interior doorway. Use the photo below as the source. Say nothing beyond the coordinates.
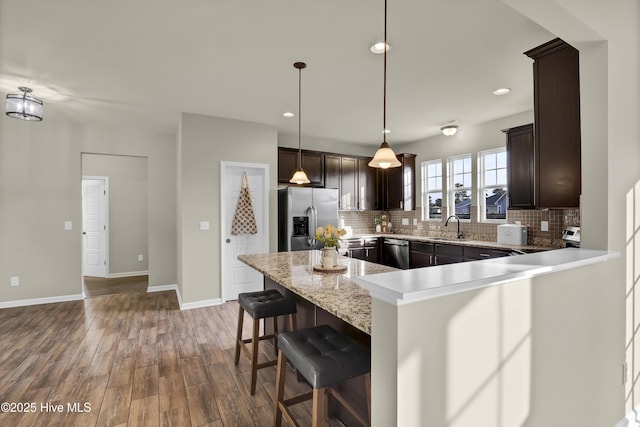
(95, 221)
(115, 222)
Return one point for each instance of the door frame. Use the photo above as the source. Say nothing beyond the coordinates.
(224, 165)
(106, 223)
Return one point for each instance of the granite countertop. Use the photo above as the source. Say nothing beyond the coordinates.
(336, 293)
(462, 242)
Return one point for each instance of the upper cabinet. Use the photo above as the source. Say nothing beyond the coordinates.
(360, 187)
(557, 125)
(312, 163)
(398, 185)
(354, 179)
(521, 167)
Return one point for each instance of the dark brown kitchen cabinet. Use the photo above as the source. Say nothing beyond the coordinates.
(354, 179)
(398, 185)
(473, 254)
(312, 163)
(342, 173)
(421, 254)
(367, 194)
(448, 254)
(521, 167)
(556, 85)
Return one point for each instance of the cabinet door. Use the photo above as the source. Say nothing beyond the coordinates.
(474, 254)
(367, 186)
(556, 86)
(312, 163)
(399, 184)
(287, 164)
(520, 167)
(448, 254)
(331, 171)
(348, 183)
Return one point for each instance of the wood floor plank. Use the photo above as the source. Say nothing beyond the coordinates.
(144, 412)
(202, 406)
(137, 359)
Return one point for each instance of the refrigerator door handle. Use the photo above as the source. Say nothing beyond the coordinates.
(311, 211)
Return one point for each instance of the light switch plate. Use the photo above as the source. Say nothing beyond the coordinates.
(15, 281)
(204, 225)
(405, 221)
(415, 221)
(140, 257)
(544, 225)
(68, 225)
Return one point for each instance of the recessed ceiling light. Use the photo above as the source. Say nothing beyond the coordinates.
(386, 131)
(288, 114)
(502, 91)
(378, 48)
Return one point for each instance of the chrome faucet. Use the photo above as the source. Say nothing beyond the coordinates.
(446, 223)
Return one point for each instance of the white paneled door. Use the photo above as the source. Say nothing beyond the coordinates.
(236, 276)
(94, 226)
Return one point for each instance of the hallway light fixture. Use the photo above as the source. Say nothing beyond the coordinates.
(21, 105)
(449, 130)
(384, 157)
(299, 177)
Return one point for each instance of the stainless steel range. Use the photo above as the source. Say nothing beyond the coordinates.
(571, 237)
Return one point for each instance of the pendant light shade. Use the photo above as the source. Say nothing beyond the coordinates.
(22, 105)
(299, 177)
(385, 157)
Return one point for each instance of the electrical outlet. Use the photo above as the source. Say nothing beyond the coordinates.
(204, 225)
(15, 281)
(68, 225)
(544, 225)
(140, 257)
(415, 221)
(405, 221)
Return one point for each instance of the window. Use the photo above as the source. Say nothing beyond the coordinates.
(432, 190)
(492, 184)
(459, 193)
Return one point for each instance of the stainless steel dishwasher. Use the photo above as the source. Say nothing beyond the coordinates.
(395, 253)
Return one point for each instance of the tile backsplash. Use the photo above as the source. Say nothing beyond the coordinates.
(362, 222)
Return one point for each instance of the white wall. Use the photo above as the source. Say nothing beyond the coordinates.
(535, 352)
(204, 141)
(40, 188)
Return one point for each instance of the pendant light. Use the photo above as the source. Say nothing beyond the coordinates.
(385, 157)
(21, 105)
(299, 177)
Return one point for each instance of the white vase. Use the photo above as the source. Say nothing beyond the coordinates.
(329, 257)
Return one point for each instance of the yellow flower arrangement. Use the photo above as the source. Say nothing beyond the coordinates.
(330, 236)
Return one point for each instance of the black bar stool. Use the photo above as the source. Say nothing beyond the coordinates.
(261, 305)
(324, 357)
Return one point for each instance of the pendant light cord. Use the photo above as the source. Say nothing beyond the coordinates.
(300, 116)
(384, 101)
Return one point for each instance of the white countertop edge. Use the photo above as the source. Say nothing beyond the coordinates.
(381, 286)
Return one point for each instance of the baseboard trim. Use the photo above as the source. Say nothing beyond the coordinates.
(200, 304)
(162, 288)
(127, 274)
(38, 301)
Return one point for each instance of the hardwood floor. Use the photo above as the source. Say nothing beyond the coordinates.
(98, 286)
(132, 359)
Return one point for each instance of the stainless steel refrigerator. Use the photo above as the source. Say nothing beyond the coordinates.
(300, 211)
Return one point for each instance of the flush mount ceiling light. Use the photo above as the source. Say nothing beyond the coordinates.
(299, 177)
(449, 130)
(384, 157)
(288, 114)
(378, 48)
(501, 91)
(22, 105)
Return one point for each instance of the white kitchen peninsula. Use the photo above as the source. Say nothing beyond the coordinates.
(513, 341)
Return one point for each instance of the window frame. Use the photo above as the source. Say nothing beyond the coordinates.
(452, 189)
(426, 190)
(482, 187)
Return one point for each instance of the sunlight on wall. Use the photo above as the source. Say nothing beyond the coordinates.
(632, 386)
(489, 359)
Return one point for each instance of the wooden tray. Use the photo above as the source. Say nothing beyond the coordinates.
(335, 269)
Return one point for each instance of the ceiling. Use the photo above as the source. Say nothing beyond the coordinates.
(145, 61)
